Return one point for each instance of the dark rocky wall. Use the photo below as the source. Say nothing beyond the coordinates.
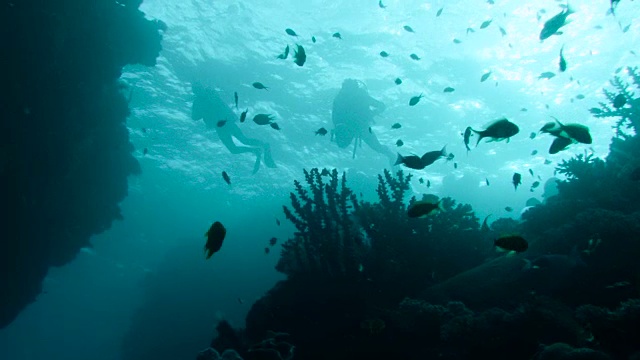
(64, 148)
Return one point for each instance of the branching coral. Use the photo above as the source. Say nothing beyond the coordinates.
(629, 116)
(326, 241)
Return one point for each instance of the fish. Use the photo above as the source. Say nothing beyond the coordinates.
(532, 135)
(547, 161)
(455, 165)
(396, 126)
(516, 180)
(457, 41)
(410, 161)
(322, 131)
(486, 181)
(414, 100)
(546, 75)
(243, 116)
(313, 39)
(500, 129)
(274, 126)
(485, 225)
(467, 134)
(508, 208)
(381, 5)
(422, 208)
(535, 184)
(399, 143)
(300, 55)
(531, 172)
(512, 243)
(235, 98)
(558, 144)
(285, 54)
(408, 28)
(290, 32)
(577, 132)
(449, 89)
(553, 25)
(485, 76)
(439, 12)
(551, 128)
(273, 241)
(502, 31)
(421, 180)
(614, 5)
(524, 109)
(145, 151)
(267, 250)
(221, 123)
(579, 96)
(562, 63)
(430, 157)
(277, 222)
(384, 54)
(414, 57)
(226, 178)
(485, 24)
(470, 30)
(215, 236)
(534, 152)
(619, 101)
(337, 35)
(263, 119)
(626, 28)
(428, 183)
(259, 86)
(398, 81)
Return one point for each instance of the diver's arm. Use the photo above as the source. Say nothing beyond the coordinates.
(377, 105)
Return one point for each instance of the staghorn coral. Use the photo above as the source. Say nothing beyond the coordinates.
(326, 241)
(629, 115)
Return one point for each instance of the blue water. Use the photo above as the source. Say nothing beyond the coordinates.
(87, 306)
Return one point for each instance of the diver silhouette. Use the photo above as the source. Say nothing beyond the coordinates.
(352, 115)
(209, 107)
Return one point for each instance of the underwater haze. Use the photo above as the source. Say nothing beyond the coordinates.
(143, 289)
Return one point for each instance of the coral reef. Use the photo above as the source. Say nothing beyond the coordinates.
(65, 153)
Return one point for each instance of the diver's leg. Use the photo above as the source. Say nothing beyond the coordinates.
(374, 144)
(227, 141)
(268, 160)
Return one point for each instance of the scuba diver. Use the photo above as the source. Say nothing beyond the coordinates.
(208, 106)
(352, 115)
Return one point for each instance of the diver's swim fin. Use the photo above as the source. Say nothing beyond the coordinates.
(268, 160)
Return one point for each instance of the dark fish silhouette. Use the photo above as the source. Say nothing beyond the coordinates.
(422, 208)
(274, 126)
(399, 143)
(414, 57)
(467, 134)
(410, 161)
(485, 24)
(559, 144)
(243, 116)
(337, 35)
(554, 24)
(381, 5)
(449, 89)
(290, 32)
(414, 100)
(299, 55)
(221, 123)
(384, 54)
(516, 180)
(263, 119)
(562, 63)
(408, 28)
(485, 76)
(285, 54)
(499, 130)
(439, 12)
(273, 241)
(430, 157)
(512, 243)
(398, 81)
(396, 126)
(259, 86)
(226, 177)
(322, 131)
(215, 237)
(235, 98)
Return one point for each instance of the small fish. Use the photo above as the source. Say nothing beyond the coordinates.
(290, 32)
(285, 54)
(531, 172)
(455, 165)
(516, 180)
(322, 131)
(532, 135)
(485, 76)
(396, 126)
(485, 225)
(414, 100)
(421, 180)
(579, 96)
(534, 152)
(259, 86)
(626, 28)
(546, 75)
(267, 250)
(457, 41)
(486, 181)
(273, 241)
(370, 131)
(422, 208)
(337, 35)
(263, 119)
(512, 243)
(485, 24)
(619, 101)
(449, 89)
(381, 5)
(535, 184)
(215, 236)
(299, 55)
(414, 57)
(384, 54)
(470, 30)
(398, 81)
(243, 116)
(235, 98)
(428, 184)
(313, 39)
(502, 31)
(439, 12)
(408, 28)
(467, 134)
(508, 208)
(274, 126)
(562, 63)
(547, 161)
(226, 178)
(553, 25)
(277, 222)
(145, 151)
(399, 143)
(221, 123)
(524, 109)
